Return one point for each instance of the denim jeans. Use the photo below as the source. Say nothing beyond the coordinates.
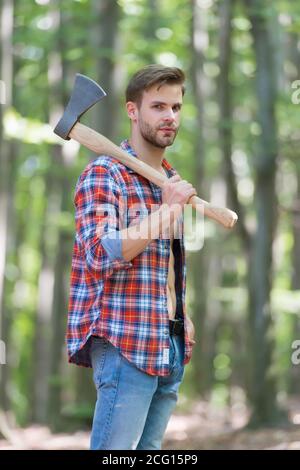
(133, 408)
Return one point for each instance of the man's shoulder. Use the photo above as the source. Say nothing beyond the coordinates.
(103, 164)
(103, 167)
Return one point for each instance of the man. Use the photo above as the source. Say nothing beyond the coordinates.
(127, 315)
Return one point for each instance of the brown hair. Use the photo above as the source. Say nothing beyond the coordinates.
(151, 75)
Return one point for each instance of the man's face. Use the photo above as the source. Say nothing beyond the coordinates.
(158, 117)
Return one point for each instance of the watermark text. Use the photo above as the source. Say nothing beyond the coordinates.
(296, 354)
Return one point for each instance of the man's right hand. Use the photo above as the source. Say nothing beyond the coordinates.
(177, 191)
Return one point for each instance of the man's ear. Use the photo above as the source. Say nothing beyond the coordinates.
(131, 110)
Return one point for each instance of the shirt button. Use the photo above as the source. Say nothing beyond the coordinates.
(166, 333)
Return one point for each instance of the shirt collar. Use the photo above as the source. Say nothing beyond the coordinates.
(165, 164)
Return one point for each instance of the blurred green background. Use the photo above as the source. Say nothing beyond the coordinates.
(239, 145)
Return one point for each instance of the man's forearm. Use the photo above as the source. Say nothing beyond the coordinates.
(136, 238)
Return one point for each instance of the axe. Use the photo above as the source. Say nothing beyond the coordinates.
(86, 92)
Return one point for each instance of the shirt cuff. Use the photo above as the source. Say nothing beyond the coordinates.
(112, 244)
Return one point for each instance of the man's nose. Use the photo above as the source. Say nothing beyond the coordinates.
(170, 115)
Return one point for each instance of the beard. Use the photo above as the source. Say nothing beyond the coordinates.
(159, 139)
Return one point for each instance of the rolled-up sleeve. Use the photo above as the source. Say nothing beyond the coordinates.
(97, 222)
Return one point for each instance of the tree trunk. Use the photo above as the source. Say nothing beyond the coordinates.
(225, 105)
(294, 386)
(105, 43)
(6, 165)
(198, 262)
(60, 301)
(295, 261)
(293, 380)
(263, 384)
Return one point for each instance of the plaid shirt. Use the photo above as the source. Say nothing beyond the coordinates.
(124, 302)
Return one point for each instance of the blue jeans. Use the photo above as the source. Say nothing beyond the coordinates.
(133, 408)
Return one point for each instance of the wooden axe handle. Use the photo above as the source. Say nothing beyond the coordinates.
(101, 145)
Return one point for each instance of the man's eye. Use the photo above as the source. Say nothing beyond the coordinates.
(159, 106)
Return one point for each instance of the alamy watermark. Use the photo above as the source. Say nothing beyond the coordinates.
(296, 94)
(295, 358)
(2, 353)
(111, 222)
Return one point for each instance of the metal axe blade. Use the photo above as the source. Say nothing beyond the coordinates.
(85, 94)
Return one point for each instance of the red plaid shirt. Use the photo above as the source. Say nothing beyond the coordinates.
(124, 302)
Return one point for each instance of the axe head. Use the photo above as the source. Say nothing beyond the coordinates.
(85, 94)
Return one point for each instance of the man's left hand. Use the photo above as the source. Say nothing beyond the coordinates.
(190, 330)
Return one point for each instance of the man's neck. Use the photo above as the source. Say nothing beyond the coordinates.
(147, 152)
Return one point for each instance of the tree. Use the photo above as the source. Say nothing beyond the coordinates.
(263, 383)
(199, 261)
(6, 157)
(105, 44)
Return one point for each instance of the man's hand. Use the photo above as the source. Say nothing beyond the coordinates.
(190, 330)
(176, 191)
